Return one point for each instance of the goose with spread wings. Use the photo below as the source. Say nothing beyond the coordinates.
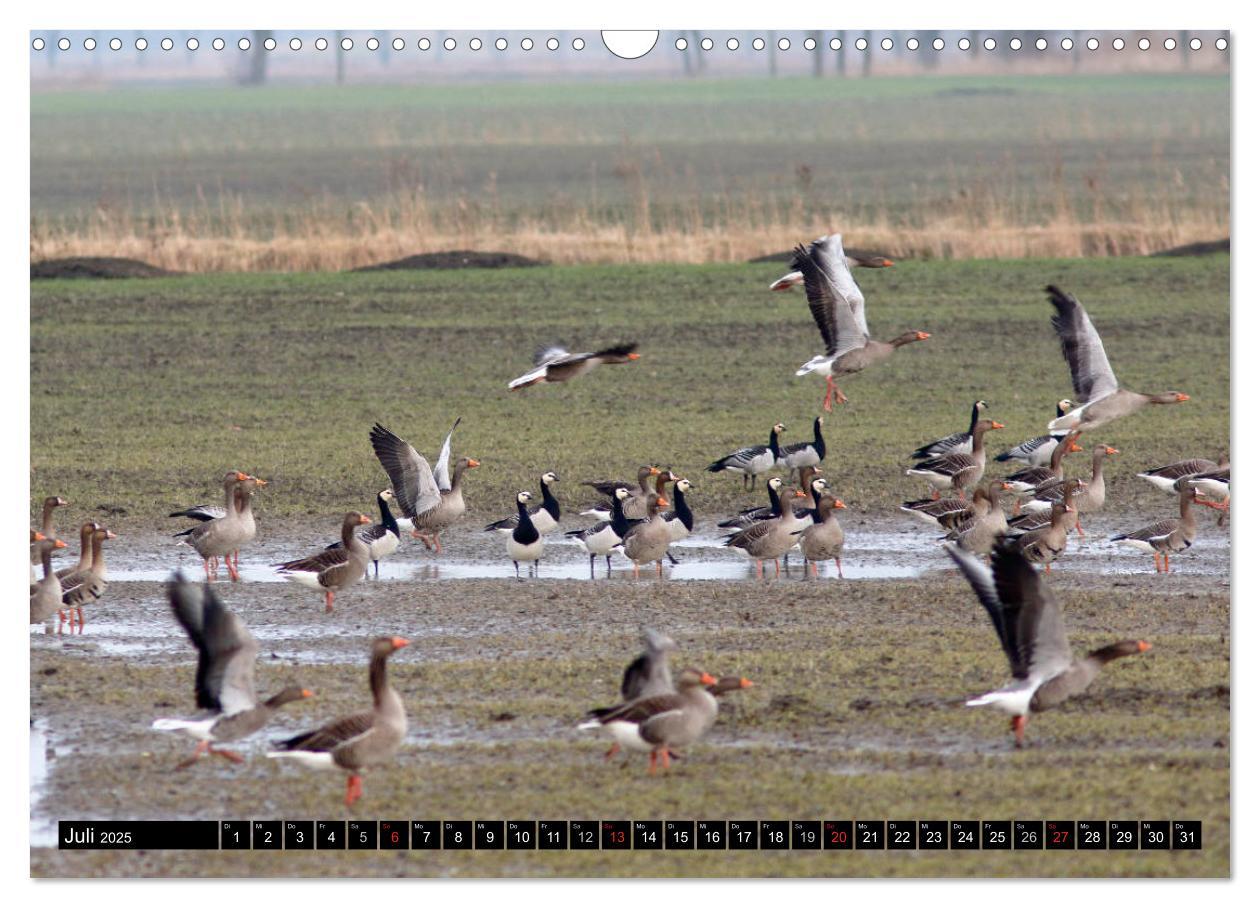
(1092, 378)
(429, 498)
(839, 310)
(556, 364)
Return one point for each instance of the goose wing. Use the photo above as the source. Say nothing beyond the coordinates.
(226, 649)
(415, 487)
(442, 469)
(835, 301)
(333, 735)
(1092, 377)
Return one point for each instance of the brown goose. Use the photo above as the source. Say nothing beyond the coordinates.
(1035, 520)
(660, 723)
(839, 310)
(226, 652)
(978, 533)
(1026, 481)
(823, 540)
(1029, 624)
(429, 499)
(242, 506)
(1092, 378)
(1090, 497)
(1044, 545)
(1166, 537)
(83, 587)
(647, 676)
(769, 539)
(634, 507)
(1166, 477)
(219, 537)
(556, 364)
(854, 258)
(958, 443)
(957, 471)
(46, 525)
(333, 569)
(774, 485)
(46, 592)
(363, 740)
(85, 550)
(649, 541)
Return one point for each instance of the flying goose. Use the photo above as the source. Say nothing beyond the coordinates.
(382, 539)
(429, 499)
(854, 258)
(1029, 624)
(957, 471)
(1036, 452)
(839, 310)
(958, 443)
(753, 460)
(524, 543)
(360, 741)
(556, 364)
(226, 653)
(546, 516)
(1092, 378)
(46, 592)
(1166, 537)
(333, 569)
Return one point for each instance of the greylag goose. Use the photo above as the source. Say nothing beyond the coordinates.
(1045, 544)
(1213, 489)
(361, 741)
(1026, 481)
(81, 587)
(957, 471)
(1029, 624)
(1036, 452)
(1034, 520)
(85, 550)
(333, 570)
(648, 541)
(524, 543)
(728, 683)
(1166, 537)
(1165, 477)
(429, 499)
(774, 485)
(242, 504)
(823, 540)
(958, 443)
(938, 512)
(753, 460)
(769, 539)
(839, 310)
(605, 536)
(802, 454)
(546, 516)
(679, 519)
(1092, 378)
(854, 258)
(635, 506)
(382, 539)
(226, 652)
(647, 676)
(220, 536)
(980, 531)
(1090, 497)
(46, 526)
(46, 592)
(659, 723)
(556, 364)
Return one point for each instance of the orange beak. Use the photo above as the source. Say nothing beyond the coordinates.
(632, 356)
(886, 263)
(839, 505)
(744, 682)
(706, 678)
(922, 335)
(1006, 486)
(58, 544)
(662, 503)
(307, 693)
(1111, 450)
(473, 463)
(400, 642)
(1182, 397)
(363, 518)
(1143, 646)
(259, 480)
(799, 494)
(654, 471)
(110, 534)
(241, 477)
(1074, 447)
(999, 425)
(40, 537)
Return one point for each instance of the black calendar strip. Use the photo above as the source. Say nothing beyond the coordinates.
(633, 835)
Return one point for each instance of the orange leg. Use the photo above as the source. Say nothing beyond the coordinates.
(660, 569)
(1017, 726)
(78, 610)
(228, 755)
(759, 572)
(611, 752)
(1078, 527)
(1158, 569)
(636, 570)
(1167, 563)
(206, 564)
(652, 763)
(203, 747)
(828, 392)
(328, 600)
(1047, 568)
(776, 568)
(813, 568)
(354, 789)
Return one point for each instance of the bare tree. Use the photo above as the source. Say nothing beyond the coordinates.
(840, 54)
(818, 54)
(341, 57)
(700, 61)
(1183, 45)
(256, 65)
(866, 55)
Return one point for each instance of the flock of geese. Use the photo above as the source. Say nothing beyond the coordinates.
(996, 552)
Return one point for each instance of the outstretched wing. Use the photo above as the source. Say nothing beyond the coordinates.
(226, 649)
(549, 353)
(835, 301)
(442, 469)
(415, 489)
(1092, 377)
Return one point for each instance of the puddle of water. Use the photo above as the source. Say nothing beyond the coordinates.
(43, 829)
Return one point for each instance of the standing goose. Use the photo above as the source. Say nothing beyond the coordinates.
(85, 550)
(46, 526)
(1090, 497)
(660, 723)
(1026, 481)
(753, 460)
(546, 516)
(1166, 537)
(648, 541)
(226, 652)
(525, 542)
(979, 532)
(220, 536)
(957, 471)
(1035, 520)
(938, 512)
(774, 485)
(428, 498)
(1092, 378)
(46, 592)
(333, 570)
(1029, 624)
(769, 539)
(854, 258)
(556, 364)
(87, 586)
(1044, 545)
(242, 506)
(382, 539)
(839, 310)
(1036, 452)
(958, 443)
(680, 520)
(1165, 477)
(802, 454)
(647, 676)
(363, 740)
(606, 535)
(823, 540)
(635, 507)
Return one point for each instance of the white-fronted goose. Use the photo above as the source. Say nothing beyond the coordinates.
(226, 652)
(1165, 477)
(1026, 481)
(556, 364)
(658, 724)
(648, 541)
(839, 310)
(1045, 544)
(802, 454)
(220, 536)
(46, 592)
(823, 540)
(524, 543)
(753, 460)
(382, 539)
(635, 506)
(958, 443)
(957, 471)
(46, 525)
(429, 499)
(85, 550)
(1166, 537)
(1090, 496)
(769, 539)
(854, 258)
(605, 536)
(1036, 452)
(360, 741)
(82, 587)
(546, 516)
(679, 519)
(1029, 624)
(1092, 378)
(333, 570)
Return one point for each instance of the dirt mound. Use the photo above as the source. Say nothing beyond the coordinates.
(1207, 248)
(96, 267)
(459, 258)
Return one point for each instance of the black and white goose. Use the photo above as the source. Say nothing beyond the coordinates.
(958, 443)
(753, 460)
(802, 454)
(381, 538)
(749, 516)
(546, 516)
(680, 520)
(605, 536)
(525, 542)
(1036, 452)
